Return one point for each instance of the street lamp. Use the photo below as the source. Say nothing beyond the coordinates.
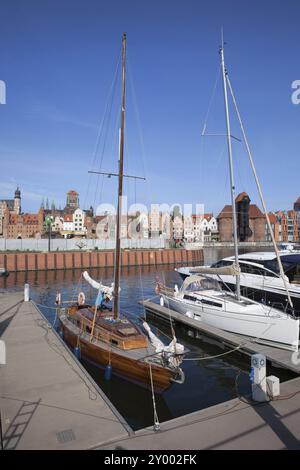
(48, 221)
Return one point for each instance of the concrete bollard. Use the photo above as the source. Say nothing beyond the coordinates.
(26, 292)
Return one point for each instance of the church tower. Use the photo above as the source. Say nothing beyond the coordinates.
(17, 203)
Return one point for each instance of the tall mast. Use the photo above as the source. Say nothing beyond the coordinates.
(120, 188)
(232, 187)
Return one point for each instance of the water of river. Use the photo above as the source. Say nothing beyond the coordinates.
(207, 382)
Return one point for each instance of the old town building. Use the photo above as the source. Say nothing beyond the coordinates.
(23, 225)
(12, 205)
(72, 201)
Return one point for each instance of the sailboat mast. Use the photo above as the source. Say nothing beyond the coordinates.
(120, 188)
(232, 187)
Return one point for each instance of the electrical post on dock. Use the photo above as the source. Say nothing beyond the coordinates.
(258, 377)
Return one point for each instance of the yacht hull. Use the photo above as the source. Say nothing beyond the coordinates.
(282, 330)
(137, 371)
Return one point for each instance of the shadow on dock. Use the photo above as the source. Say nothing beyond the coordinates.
(19, 424)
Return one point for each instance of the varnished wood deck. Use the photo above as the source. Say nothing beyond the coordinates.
(279, 357)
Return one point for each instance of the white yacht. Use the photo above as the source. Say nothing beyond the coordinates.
(260, 278)
(202, 299)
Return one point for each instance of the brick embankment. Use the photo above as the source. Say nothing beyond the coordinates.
(81, 259)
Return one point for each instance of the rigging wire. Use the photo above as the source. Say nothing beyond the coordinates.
(211, 99)
(155, 415)
(101, 125)
(203, 146)
(105, 137)
(138, 119)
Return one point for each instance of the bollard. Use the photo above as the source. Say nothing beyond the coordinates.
(258, 375)
(26, 292)
(2, 353)
(161, 301)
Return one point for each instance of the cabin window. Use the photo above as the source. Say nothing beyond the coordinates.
(189, 297)
(222, 263)
(269, 274)
(250, 269)
(114, 341)
(209, 302)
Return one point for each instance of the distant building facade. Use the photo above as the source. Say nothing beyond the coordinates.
(23, 225)
(297, 210)
(285, 225)
(72, 202)
(12, 205)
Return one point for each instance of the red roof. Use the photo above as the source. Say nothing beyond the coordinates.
(23, 218)
(272, 218)
(68, 218)
(241, 196)
(207, 216)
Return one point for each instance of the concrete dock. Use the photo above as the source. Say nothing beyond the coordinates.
(230, 425)
(48, 401)
(277, 356)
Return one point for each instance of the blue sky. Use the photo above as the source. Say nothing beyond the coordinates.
(58, 59)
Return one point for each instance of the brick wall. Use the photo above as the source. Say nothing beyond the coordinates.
(70, 260)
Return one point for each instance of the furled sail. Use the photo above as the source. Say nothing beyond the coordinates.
(172, 349)
(108, 291)
(224, 270)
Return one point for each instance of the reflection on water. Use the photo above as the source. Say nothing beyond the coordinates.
(207, 382)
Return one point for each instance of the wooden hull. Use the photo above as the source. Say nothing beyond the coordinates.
(126, 367)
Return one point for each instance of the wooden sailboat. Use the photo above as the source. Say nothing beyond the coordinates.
(108, 338)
